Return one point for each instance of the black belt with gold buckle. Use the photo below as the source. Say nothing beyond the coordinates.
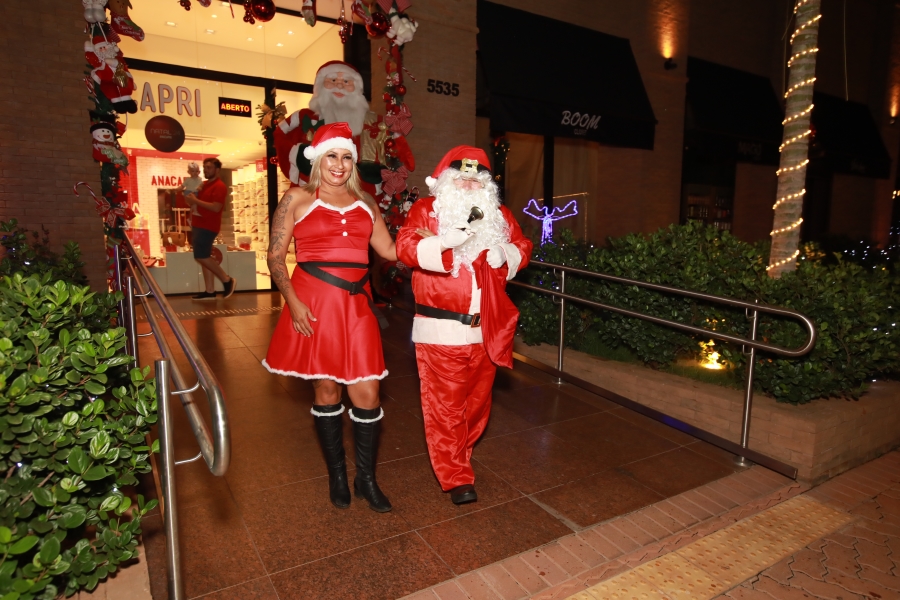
(440, 313)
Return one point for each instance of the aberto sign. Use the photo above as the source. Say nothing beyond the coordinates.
(235, 108)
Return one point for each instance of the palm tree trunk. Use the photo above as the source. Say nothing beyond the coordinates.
(795, 143)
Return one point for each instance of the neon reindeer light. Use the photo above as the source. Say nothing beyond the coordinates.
(547, 216)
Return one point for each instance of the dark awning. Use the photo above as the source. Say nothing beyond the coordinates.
(550, 78)
(737, 109)
(846, 138)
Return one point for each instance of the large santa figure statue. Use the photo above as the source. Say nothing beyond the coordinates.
(463, 246)
(337, 96)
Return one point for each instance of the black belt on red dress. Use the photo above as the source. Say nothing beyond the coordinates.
(440, 313)
(354, 287)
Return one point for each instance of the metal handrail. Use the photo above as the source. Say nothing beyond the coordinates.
(750, 307)
(215, 447)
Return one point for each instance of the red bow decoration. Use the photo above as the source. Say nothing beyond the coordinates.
(106, 209)
(394, 181)
(400, 122)
(402, 5)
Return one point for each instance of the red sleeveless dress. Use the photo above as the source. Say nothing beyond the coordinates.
(346, 342)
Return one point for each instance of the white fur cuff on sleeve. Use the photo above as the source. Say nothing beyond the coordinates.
(513, 259)
(428, 253)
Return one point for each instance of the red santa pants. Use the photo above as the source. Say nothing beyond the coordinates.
(456, 403)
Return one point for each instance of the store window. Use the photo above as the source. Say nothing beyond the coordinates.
(200, 76)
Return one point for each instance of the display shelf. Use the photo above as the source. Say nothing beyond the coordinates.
(707, 204)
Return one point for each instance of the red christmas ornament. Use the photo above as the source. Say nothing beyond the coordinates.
(386, 97)
(392, 109)
(390, 144)
(248, 13)
(185, 4)
(264, 10)
(379, 25)
(400, 89)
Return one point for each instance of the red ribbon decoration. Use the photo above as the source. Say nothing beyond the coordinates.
(400, 122)
(394, 181)
(385, 5)
(106, 209)
(402, 5)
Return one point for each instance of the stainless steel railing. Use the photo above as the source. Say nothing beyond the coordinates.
(752, 309)
(215, 445)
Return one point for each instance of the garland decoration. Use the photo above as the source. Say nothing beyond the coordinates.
(109, 84)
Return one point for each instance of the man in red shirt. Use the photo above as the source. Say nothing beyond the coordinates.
(205, 225)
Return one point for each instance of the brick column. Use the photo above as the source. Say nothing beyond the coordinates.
(45, 142)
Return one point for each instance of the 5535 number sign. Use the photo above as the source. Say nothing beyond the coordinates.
(436, 86)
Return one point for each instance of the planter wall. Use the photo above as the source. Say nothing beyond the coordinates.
(822, 438)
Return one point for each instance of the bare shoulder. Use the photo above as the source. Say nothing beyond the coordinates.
(369, 201)
(294, 204)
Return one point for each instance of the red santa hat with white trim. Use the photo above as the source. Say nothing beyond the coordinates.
(466, 159)
(333, 67)
(329, 137)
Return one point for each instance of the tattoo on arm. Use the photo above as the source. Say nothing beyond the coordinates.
(278, 246)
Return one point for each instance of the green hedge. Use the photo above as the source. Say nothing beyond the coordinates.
(855, 308)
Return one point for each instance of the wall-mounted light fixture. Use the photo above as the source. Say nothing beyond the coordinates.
(669, 64)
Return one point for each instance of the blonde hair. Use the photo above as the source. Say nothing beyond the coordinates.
(315, 180)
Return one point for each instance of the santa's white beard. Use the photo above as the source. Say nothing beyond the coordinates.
(452, 207)
(350, 109)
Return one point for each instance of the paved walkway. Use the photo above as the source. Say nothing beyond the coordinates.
(751, 536)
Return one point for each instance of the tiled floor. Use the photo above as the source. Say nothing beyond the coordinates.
(553, 461)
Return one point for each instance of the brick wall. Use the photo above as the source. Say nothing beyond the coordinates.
(45, 142)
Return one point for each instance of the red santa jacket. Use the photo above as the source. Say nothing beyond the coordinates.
(434, 285)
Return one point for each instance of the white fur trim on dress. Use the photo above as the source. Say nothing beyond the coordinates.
(315, 413)
(319, 202)
(513, 259)
(312, 152)
(358, 420)
(323, 376)
(428, 253)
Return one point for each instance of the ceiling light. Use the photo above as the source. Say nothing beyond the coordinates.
(215, 16)
(259, 26)
(279, 44)
(170, 23)
(225, 4)
(210, 31)
(249, 39)
(290, 33)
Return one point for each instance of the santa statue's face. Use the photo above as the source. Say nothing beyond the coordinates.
(106, 50)
(455, 195)
(340, 98)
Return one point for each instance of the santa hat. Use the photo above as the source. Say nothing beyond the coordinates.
(465, 159)
(334, 67)
(328, 137)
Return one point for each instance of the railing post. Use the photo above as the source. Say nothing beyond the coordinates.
(748, 395)
(131, 322)
(118, 287)
(167, 479)
(562, 323)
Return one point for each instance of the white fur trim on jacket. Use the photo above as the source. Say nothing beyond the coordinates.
(448, 332)
(295, 172)
(316, 413)
(358, 420)
(428, 253)
(513, 259)
(323, 376)
(311, 152)
(291, 123)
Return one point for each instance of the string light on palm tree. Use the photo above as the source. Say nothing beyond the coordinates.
(794, 149)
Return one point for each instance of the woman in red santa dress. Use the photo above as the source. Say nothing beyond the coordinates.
(328, 332)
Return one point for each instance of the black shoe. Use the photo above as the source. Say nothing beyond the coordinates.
(229, 287)
(463, 494)
(366, 425)
(329, 426)
(204, 296)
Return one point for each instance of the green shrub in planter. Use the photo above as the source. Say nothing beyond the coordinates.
(73, 421)
(853, 307)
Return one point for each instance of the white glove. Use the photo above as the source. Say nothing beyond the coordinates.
(455, 236)
(496, 257)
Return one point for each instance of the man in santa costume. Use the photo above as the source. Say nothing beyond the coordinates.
(463, 246)
(337, 96)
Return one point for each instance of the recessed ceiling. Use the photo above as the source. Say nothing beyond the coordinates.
(285, 35)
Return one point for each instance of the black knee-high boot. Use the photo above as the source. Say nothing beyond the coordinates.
(366, 425)
(331, 436)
